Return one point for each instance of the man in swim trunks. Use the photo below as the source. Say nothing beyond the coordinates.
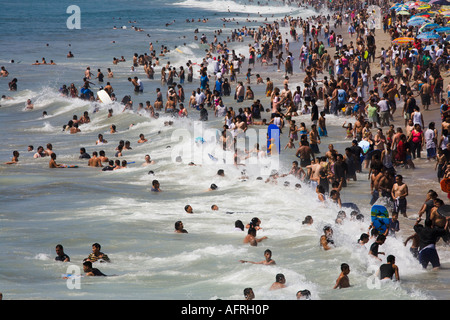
(399, 193)
(305, 154)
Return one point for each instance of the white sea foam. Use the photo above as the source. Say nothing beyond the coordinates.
(232, 6)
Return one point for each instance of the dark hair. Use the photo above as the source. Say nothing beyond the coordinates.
(177, 224)
(251, 231)
(308, 219)
(279, 277)
(364, 236)
(247, 291)
(239, 224)
(344, 266)
(305, 293)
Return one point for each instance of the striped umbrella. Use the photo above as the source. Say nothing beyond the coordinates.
(403, 40)
(424, 7)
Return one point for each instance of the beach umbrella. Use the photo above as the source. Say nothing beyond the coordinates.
(423, 17)
(442, 29)
(428, 27)
(399, 5)
(403, 13)
(425, 13)
(428, 36)
(423, 7)
(440, 2)
(403, 40)
(401, 8)
(417, 22)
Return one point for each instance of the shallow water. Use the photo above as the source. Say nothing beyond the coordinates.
(80, 206)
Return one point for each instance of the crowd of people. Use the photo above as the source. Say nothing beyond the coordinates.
(339, 78)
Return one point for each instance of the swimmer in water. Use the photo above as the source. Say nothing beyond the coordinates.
(15, 158)
(267, 261)
(389, 269)
(303, 294)
(29, 105)
(249, 294)
(52, 163)
(91, 272)
(251, 237)
(148, 161)
(280, 282)
(155, 186)
(142, 139)
(254, 223)
(97, 255)
(343, 281)
(179, 228)
(326, 239)
(308, 220)
(188, 209)
(212, 187)
(60, 255)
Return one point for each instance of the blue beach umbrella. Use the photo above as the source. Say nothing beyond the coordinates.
(428, 36)
(416, 22)
(428, 27)
(440, 2)
(443, 29)
(401, 8)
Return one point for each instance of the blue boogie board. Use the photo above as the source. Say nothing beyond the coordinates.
(380, 218)
(273, 132)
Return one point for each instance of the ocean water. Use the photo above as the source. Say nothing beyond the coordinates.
(78, 207)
